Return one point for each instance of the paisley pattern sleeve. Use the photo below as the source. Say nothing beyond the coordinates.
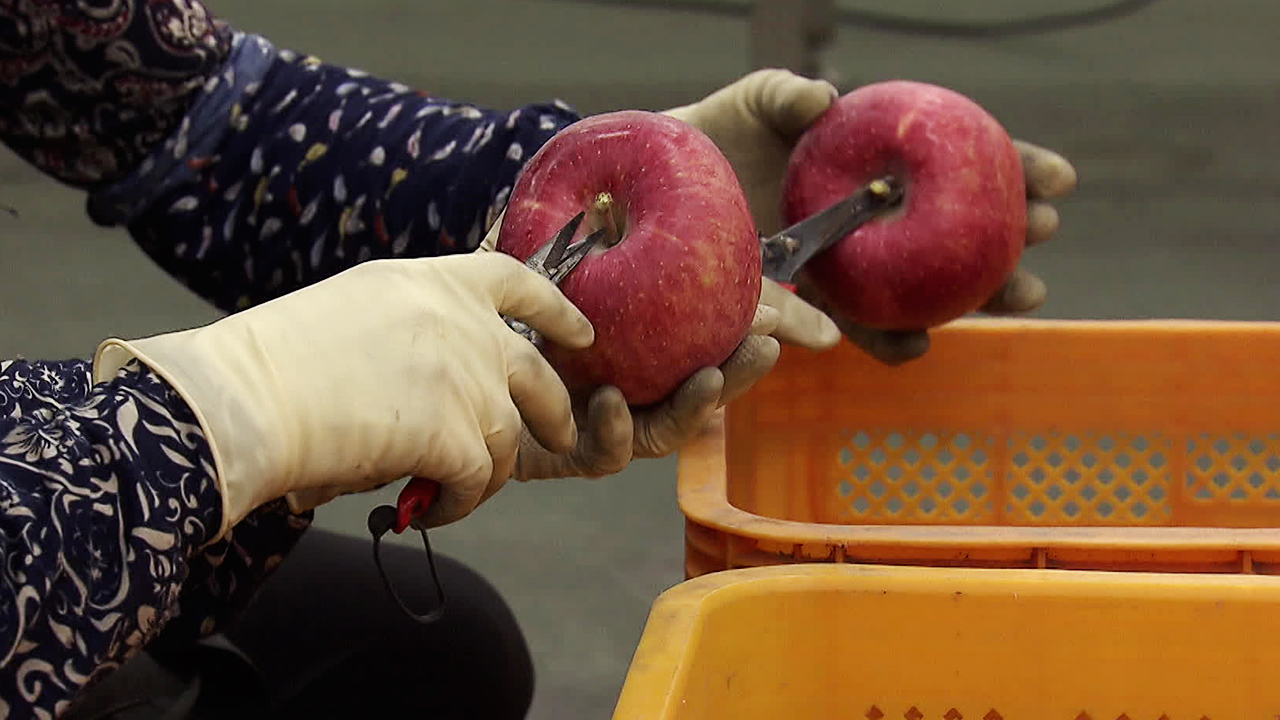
(88, 88)
(104, 492)
(292, 170)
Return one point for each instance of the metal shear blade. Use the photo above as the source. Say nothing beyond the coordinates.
(787, 251)
(572, 256)
(551, 253)
(556, 259)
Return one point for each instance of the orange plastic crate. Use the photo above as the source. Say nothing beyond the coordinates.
(1104, 445)
(858, 642)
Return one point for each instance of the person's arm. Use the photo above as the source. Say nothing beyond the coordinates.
(299, 169)
(86, 92)
(288, 170)
(109, 485)
(104, 492)
(247, 129)
(87, 117)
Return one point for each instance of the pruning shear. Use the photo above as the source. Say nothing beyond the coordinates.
(783, 254)
(554, 261)
(787, 251)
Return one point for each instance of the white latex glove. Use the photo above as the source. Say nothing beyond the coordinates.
(756, 122)
(391, 369)
(613, 433)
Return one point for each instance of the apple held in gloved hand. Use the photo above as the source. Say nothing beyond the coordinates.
(675, 283)
(960, 228)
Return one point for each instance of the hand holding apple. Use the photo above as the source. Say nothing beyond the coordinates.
(612, 433)
(673, 291)
(953, 245)
(1048, 176)
(757, 121)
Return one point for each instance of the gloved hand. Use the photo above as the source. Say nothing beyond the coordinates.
(756, 121)
(391, 369)
(614, 433)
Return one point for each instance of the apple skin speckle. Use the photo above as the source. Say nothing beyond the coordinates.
(680, 289)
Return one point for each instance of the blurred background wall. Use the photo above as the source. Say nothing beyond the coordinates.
(1171, 114)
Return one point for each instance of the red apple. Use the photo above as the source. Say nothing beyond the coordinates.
(960, 227)
(675, 286)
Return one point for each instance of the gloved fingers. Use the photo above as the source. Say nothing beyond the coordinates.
(661, 430)
(752, 360)
(492, 489)
(459, 495)
(490, 241)
(487, 463)
(1022, 292)
(533, 299)
(539, 395)
(891, 347)
(504, 448)
(1042, 222)
(604, 443)
(785, 102)
(1048, 174)
(610, 439)
(608, 443)
(799, 322)
(754, 357)
(765, 321)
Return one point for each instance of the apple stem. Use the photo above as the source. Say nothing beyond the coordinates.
(604, 212)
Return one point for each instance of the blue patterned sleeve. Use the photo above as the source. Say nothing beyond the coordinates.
(246, 171)
(291, 170)
(104, 493)
(288, 170)
(88, 92)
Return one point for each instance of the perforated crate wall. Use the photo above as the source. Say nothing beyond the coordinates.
(1108, 445)
(1051, 478)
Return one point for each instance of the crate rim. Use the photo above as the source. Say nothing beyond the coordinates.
(1160, 324)
(676, 617)
(928, 578)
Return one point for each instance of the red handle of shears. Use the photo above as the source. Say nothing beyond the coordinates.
(414, 499)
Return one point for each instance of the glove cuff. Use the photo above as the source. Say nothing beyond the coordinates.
(242, 441)
(112, 355)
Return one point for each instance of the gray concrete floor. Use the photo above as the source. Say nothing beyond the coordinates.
(1172, 118)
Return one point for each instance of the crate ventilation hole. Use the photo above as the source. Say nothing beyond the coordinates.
(1049, 477)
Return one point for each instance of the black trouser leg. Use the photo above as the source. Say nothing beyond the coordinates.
(324, 639)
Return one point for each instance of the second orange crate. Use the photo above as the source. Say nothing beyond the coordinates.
(1140, 445)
